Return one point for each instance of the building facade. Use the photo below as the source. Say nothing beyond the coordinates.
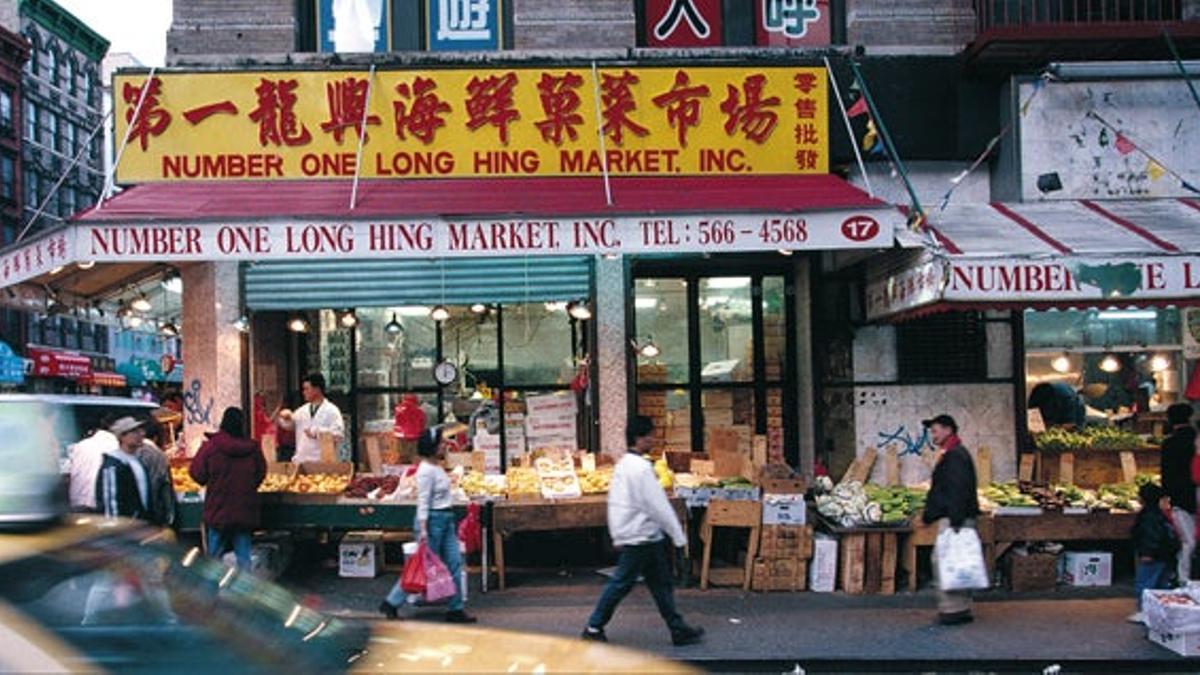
(14, 51)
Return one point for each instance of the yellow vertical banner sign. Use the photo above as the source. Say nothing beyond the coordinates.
(268, 125)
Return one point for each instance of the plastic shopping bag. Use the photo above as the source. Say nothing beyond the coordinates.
(413, 578)
(960, 563)
(439, 584)
(470, 531)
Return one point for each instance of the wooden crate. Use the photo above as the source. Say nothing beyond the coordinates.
(730, 513)
(1034, 572)
(867, 562)
(786, 542)
(779, 575)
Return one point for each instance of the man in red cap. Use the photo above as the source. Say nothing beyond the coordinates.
(952, 503)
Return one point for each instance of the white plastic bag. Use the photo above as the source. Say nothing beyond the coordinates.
(960, 563)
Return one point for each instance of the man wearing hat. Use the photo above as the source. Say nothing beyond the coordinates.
(122, 486)
(952, 503)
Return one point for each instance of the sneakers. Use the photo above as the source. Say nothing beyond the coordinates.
(389, 611)
(459, 616)
(1136, 617)
(594, 635)
(688, 635)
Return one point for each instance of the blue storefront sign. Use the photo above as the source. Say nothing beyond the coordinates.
(457, 25)
(12, 367)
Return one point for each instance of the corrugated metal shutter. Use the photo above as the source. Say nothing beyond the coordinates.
(390, 283)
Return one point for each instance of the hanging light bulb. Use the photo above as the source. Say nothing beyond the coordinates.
(134, 321)
(650, 350)
(1159, 363)
(141, 303)
(1061, 363)
(785, 252)
(348, 319)
(556, 306)
(479, 308)
(241, 324)
(169, 329)
(297, 324)
(579, 310)
(86, 265)
(1110, 364)
(439, 313)
(393, 327)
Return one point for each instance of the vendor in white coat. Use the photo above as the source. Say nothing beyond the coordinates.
(318, 415)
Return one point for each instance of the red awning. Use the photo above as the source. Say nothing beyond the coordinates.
(54, 363)
(478, 196)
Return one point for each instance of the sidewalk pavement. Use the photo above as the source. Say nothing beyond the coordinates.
(1080, 629)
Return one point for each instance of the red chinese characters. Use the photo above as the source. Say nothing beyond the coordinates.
(806, 134)
(199, 114)
(806, 108)
(151, 119)
(490, 101)
(275, 114)
(682, 103)
(560, 102)
(752, 115)
(421, 112)
(347, 100)
(805, 83)
(807, 160)
(616, 97)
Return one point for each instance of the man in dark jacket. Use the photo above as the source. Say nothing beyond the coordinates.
(1154, 544)
(1177, 454)
(161, 508)
(952, 502)
(231, 466)
(122, 487)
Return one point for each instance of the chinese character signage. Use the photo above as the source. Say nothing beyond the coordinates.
(684, 23)
(456, 123)
(352, 26)
(793, 23)
(463, 25)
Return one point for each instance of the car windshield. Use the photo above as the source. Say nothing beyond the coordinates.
(136, 603)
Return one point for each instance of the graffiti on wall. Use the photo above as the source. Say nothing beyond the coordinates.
(194, 407)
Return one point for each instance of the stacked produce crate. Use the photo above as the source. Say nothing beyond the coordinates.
(653, 404)
(783, 555)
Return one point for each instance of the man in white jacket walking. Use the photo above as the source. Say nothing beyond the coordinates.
(643, 526)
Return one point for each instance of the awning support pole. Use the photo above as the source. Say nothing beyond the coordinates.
(887, 141)
(1182, 70)
(362, 136)
(837, 91)
(600, 134)
(66, 172)
(110, 177)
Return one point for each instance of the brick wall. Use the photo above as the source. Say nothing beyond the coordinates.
(915, 23)
(574, 24)
(235, 27)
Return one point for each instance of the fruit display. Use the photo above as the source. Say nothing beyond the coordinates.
(595, 482)
(320, 483)
(1076, 497)
(898, 503)
(363, 487)
(476, 484)
(1121, 496)
(694, 481)
(1090, 438)
(559, 486)
(554, 465)
(666, 477)
(523, 481)
(1006, 494)
(275, 482)
(182, 480)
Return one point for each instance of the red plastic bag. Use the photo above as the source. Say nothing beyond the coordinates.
(439, 583)
(413, 578)
(470, 531)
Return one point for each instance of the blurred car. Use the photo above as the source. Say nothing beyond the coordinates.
(97, 594)
(37, 430)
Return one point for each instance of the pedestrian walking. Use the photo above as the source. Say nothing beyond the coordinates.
(952, 503)
(122, 486)
(1176, 466)
(1155, 544)
(436, 526)
(231, 466)
(161, 508)
(643, 525)
(317, 416)
(84, 459)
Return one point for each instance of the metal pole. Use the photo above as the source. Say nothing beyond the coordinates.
(362, 135)
(1182, 70)
(108, 179)
(887, 139)
(600, 134)
(57, 184)
(837, 91)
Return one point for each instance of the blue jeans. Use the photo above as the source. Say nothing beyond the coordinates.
(443, 541)
(221, 541)
(652, 562)
(1150, 575)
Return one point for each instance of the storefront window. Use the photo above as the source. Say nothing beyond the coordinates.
(397, 347)
(774, 295)
(469, 340)
(662, 323)
(1101, 328)
(726, 330)
(377, 419)
(537, 345)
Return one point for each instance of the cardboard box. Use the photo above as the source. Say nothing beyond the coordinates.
(360, 555)
(784, 509)
(1090, 568)
(822, 572)
(717, 399)
(779, 575)
(1184, 644)
(1033, 572)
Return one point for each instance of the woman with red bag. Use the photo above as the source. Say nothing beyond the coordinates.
(435, 526)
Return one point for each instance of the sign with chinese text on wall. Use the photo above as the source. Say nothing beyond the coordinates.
(457, 123)
(793, 23)
(455, 25)
(684, 23)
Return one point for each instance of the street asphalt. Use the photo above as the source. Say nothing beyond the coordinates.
(1081, 630)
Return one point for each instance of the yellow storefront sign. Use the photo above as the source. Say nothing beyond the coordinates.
(454, 123)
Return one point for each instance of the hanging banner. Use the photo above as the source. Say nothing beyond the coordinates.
(454, 25)
(793, 23)
(273, 125)
(684, 23)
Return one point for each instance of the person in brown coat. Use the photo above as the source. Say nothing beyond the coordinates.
(231, 466)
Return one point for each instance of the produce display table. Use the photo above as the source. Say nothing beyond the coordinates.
(1057, 526)
(926, 535)
(298, 512)
(540, 515)
(867, 556)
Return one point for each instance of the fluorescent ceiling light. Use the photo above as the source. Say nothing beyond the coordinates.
(728, 282)
(645, 303)
(416, 310)
(1128, 314)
